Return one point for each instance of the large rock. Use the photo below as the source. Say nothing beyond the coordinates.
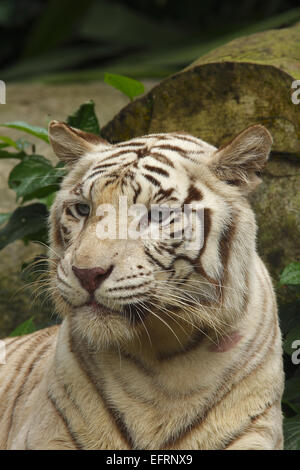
(247, 81)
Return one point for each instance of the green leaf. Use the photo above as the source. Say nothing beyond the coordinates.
(6, 154)
(39, 132)
(126, 85)
(4, 218)
(48, 200)
(291, 430)
(27, 222)
(85, 118)
(289, 316)
(25, 328)
(293, 335)
(10, 142)
(34, 177)
(291, 275)
(291, 394)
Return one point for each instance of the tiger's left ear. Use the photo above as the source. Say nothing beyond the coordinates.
(238, 162)
(69, 144)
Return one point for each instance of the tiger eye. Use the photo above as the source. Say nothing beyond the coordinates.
(82, 209)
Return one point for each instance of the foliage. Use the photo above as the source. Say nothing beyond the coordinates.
(126, 85)
(36, 179)
(24, 329)
(39, 132)
(25, 223)
(85, 118)
(290, 325)
(142, 38)
(291, 274)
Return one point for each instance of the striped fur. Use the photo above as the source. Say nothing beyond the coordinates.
(181, 349)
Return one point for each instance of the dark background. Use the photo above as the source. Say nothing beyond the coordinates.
(67, 40)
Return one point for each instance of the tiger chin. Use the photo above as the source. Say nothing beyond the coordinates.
(166, 342)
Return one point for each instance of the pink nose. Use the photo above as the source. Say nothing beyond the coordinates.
(90, 279)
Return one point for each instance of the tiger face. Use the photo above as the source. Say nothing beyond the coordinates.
(153, 238)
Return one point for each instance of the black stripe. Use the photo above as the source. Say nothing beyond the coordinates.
(27, 339)
(173, 148)
(131, 144)
(111, 181)
(12, 341)
(99, 172)
(154, 260)
(236, 435)
(111, 289)
(194, 194)
(247, 427)
(91, 188)
(165, 194)
(182, 152)
(38, 355)
(105, 165)
(98, 384)
(162, 159)
(114, 155)
(152, 180)
(157, 170)
(190, 139)
(58, 410)
(157, 248)
(102, 168)
(137, 192)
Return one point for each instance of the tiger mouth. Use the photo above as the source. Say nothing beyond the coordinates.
(132, 311)
(99, 308)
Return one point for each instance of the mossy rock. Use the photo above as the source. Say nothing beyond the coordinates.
(247, 81)
(276, 203)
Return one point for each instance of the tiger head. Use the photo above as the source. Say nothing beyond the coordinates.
(192, 275)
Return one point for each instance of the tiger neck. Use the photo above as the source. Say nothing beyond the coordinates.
(152, 347)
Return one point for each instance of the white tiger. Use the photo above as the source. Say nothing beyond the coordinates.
(161, 346)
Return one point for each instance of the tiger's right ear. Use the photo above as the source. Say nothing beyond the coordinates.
(69, 144)
(238, 162)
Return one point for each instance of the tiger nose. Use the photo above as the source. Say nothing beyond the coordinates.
(90, 279)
